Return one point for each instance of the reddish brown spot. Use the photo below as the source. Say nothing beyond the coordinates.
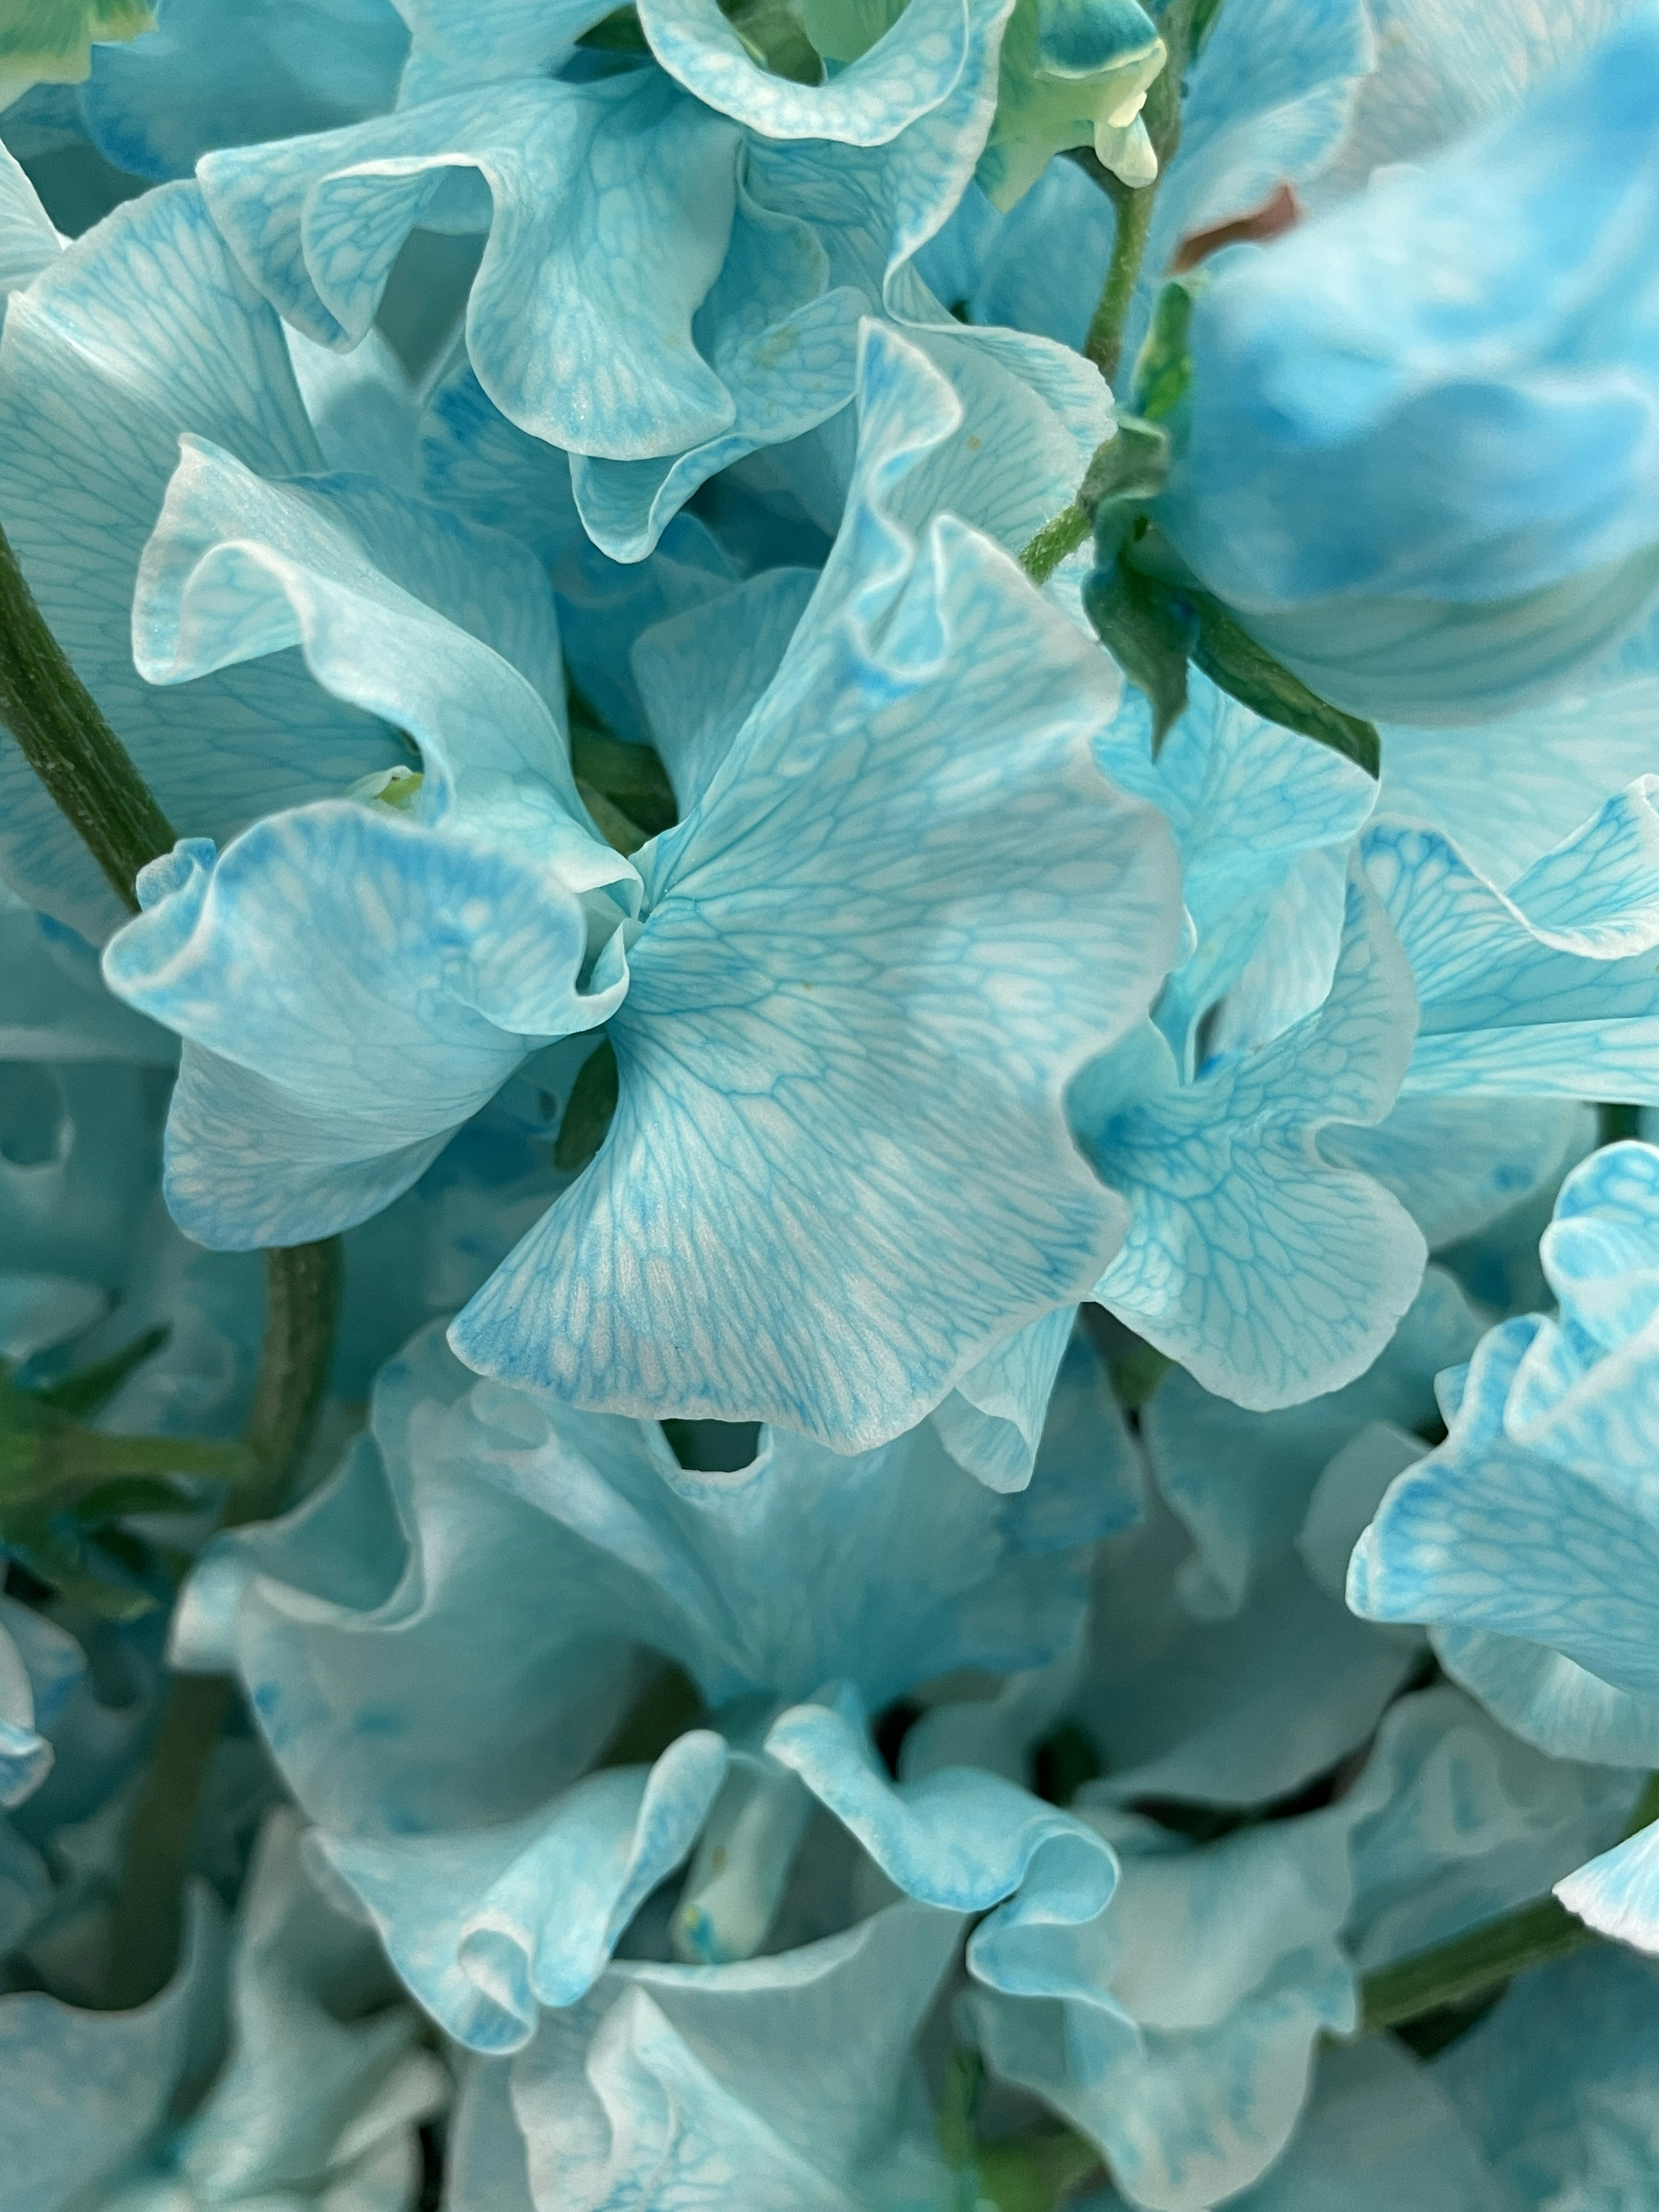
(1277, 214)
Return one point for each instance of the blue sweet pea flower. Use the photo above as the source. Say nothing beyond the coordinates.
(1522, 1538)
(568, 1556)
(1416, 451)
(1206, 1985)
(790, 2081)
(314, 2102)
(995, 880)
(677, 258)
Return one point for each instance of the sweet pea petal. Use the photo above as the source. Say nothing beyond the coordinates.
(1270, 1275)
(144, 329)
(761, 1087)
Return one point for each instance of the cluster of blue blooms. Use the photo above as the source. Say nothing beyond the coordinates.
(906, 765)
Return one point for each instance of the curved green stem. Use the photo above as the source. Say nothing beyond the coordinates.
(68, 744)
(1057, 537)
(1104, 343)
(1469, 1964)
(91, 776)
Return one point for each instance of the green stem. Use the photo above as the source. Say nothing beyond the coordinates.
(1104, 343)
(147, 1919)
(1056, 538)
(69, 745)
(1470, 1965)
(302, 1305)
(1134, 205)
(91, 776)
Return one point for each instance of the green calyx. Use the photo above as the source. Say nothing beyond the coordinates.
(1146, 608)
(1071, 73)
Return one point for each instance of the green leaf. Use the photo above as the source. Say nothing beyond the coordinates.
(1142, 625)
(135, 1493)
(1231, 657)
(1124, 477)
(587, 1116)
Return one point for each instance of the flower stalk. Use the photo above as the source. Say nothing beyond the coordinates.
(97, 786)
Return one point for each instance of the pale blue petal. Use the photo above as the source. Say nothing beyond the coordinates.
(143, 330)
(484, 2165)
(1557, 2083)
(786, 2085)
(216, 75)
(455, 44)
(1617, 1893)
(472, 459)
(854, 1009)
(485, 1925)
(1269, 1273)
(904, 76)
(1459, 1164)
(914, 1568)
(1548, 1700)
(1378, 2133)
(38, 1310)
(1040, 411)
(1241, 1482)
(1548, 987)
(1343, 1501)
(1038, 268)
(1442, 70)
(41, 1667)
(702, 672)
(1473, 1535)
(953, 1837)
(1472, 1825)
(391, 978)
(990, 1424)
(578, 324)
(27, 240)
(1245, 801)
(53, 1005)
(304, 1105)
(1506, 792)
(1234, 1711)
(1214, 1973)
(318, 2091)
(77, 1168)
(85, 2089)
(1446, 312)
(1267, 100)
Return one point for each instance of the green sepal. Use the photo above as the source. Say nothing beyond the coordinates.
(1164, 367)
(587, 1116)
(1142, 627)
(1232, 659)
(1123, 480)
